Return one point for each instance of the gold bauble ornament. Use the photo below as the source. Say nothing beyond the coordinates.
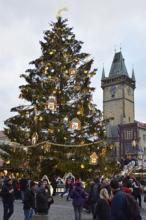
(72, 71)
(51, 52)
(82, 142)
(78, 113)
(51, 131)
(46, 70)
(8, 162)
(40, 118)
(85, 71)
(82, 166)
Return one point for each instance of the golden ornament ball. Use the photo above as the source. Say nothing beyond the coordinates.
(72, 71)
(82, 142)
(82, 166)
(40, 118)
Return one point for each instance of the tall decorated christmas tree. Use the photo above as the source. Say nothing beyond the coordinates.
(60, 121)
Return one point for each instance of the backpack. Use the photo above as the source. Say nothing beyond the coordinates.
(132, 208)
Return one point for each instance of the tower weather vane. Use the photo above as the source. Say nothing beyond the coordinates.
(60, 11)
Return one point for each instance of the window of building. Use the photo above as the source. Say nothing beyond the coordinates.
(144, 137)
(128, 134)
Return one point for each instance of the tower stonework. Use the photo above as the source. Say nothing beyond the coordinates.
(118, 97)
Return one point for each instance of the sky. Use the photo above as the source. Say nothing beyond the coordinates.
(103, 25)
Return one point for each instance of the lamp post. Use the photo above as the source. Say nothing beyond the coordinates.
(134, 143)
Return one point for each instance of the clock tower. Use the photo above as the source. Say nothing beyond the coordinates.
(118, 96)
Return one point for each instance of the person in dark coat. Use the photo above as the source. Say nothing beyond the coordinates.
(7, 194)
(94, 195)
(23, 187)
(54, 185)
(118, 203)
(29, 201)
(42, 196)
(78, 195)
(102, 210)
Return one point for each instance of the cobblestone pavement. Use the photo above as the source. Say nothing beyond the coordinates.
(60, 210)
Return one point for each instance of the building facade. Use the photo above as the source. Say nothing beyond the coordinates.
(119, 105)
(132, 139)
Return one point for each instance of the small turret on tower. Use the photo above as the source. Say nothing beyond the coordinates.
(133, 75)
(103, 74)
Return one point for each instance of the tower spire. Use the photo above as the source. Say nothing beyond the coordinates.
(118, 65)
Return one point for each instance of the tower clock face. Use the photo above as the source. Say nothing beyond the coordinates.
(113, 91)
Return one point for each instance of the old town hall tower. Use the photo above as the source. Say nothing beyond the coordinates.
(118, 96)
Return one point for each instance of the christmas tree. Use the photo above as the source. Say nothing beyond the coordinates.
(60, 115)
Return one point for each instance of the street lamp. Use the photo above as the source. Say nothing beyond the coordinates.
(134, 143)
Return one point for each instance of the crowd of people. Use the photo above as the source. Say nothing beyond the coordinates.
(36, 197)
(115, 199)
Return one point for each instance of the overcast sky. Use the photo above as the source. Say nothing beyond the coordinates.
(103, 25)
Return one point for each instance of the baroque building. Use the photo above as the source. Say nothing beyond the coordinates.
(119, 105)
